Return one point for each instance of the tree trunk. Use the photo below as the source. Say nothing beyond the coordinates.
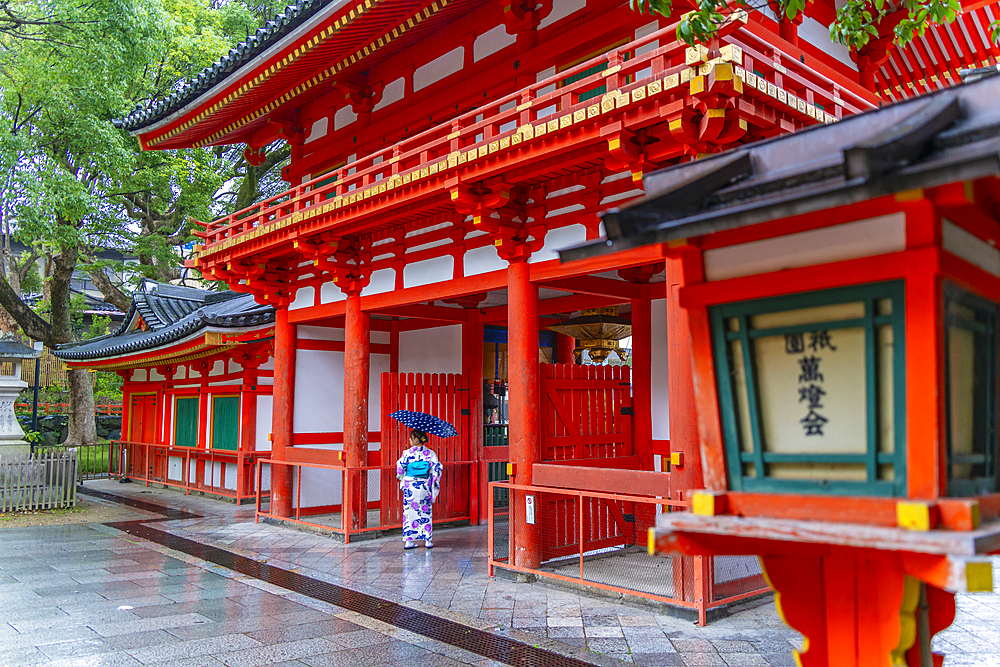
(82, 423)
(7, 322)
(112, 294)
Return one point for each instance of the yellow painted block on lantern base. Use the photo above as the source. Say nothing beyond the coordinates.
(651, 540)
(979, 576)
(676, 458)
(708, 503)
(510, 469)
(916, 515)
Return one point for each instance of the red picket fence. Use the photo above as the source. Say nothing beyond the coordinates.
(444, 396)
(63, 408)
(586, 411)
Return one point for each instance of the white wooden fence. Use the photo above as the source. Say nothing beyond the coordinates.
(41, 481)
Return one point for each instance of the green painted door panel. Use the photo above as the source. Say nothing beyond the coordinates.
(225, 422)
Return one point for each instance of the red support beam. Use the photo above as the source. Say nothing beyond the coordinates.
(357, 358)
(565, 349)
(642, 380)
(684, 436)
(472, 369)
(282, 425)
(595, 286)
(522, 350)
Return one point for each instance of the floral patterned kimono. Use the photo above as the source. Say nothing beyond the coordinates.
(418, 492)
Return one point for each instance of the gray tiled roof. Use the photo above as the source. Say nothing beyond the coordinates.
(172, 313)
(282, 24)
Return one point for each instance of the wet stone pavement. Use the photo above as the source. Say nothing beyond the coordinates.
(91, 595)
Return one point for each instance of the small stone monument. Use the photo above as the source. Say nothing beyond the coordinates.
(11, 435)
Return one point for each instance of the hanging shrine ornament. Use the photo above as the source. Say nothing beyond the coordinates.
(596, 330)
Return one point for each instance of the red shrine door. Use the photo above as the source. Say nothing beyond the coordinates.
(142, 429)
(444, 396)
(587, 420)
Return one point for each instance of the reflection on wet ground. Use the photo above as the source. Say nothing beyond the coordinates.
(94, 595)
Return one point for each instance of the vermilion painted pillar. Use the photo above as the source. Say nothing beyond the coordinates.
(248, 430)
(642, 379)
(472, 369)
(684, 436)
(282, 426)
(357, 349)
(565, 349)
(522, 373)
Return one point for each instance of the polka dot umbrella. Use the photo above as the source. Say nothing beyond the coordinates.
(421, 421)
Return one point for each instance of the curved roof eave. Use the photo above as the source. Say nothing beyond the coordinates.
(322, 12)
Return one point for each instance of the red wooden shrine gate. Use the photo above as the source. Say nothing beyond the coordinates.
(142, 429)
(587, 420)
(447, 397)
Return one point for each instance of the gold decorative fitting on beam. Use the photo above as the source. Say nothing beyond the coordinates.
(721, 70)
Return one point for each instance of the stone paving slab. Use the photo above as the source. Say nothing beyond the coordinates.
(117, 600)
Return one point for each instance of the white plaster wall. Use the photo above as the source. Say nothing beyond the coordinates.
(393, 92)
(818, 35)
(482, 260)
(383, 280)
(330, 293)
(660, 389)
(175, 467)
(265, 413)
(318, 130)
(561, 9)
(344, 117)
(319, 391)
(429, 271)
(862, 238)
(438, 68)
(319, 333)
(265, 477)
(139, 375)
(431, 350)
(215, 474)
(491, 41)
(970, 247)
(231, 474)
(218, 368)
(319, 487)
(304, 297)
(559, 239)
(155, 376)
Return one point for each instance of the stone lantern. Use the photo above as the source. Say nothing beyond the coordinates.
(13, 353)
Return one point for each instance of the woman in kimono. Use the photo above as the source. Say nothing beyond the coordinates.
(419, 474)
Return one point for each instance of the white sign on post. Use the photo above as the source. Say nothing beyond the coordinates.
(529, 510)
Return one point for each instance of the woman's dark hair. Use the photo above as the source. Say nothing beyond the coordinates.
(421, 437)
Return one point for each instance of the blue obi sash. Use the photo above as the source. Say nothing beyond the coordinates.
(418, 469)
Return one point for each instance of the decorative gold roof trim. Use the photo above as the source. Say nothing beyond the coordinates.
(384, 40)
(299, 53)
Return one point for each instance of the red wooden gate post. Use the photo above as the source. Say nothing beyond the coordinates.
(522, 348)
(565, 349)
(281, 420)
(684, 435)
(642, 374)
(357, 348)
(472, 369)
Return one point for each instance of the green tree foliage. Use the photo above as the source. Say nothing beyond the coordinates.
(74, 183)
(856, 23)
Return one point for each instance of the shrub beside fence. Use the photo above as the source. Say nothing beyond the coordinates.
(93, 461)
(41, 481)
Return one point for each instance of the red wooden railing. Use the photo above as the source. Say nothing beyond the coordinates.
(479, 129)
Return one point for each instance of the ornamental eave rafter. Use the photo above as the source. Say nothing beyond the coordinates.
(278, 67)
